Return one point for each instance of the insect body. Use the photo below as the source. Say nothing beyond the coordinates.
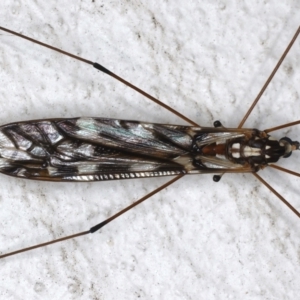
(93, 149)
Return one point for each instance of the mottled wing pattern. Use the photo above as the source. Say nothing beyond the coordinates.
(86, 149)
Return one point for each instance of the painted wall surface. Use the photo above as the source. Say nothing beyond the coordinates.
(196, 239)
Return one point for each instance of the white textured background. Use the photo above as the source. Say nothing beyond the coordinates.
(197, 239)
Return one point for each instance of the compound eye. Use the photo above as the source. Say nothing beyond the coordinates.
(287, 143)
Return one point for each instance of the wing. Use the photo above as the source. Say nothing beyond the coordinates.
(88, 149)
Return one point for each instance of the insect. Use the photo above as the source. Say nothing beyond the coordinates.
(95, 149)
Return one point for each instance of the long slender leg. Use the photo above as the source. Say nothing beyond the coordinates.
(270, 78)
(106, 71)
(292, 208)
(284, 170)
(282, 126)
(98, 226)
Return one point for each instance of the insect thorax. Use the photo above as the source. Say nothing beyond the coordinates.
(249, 149)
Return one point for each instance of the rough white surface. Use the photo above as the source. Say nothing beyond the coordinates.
(197, 239)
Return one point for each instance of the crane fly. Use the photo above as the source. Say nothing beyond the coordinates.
(98, 149)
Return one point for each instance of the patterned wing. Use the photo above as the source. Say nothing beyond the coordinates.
(86, 149)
